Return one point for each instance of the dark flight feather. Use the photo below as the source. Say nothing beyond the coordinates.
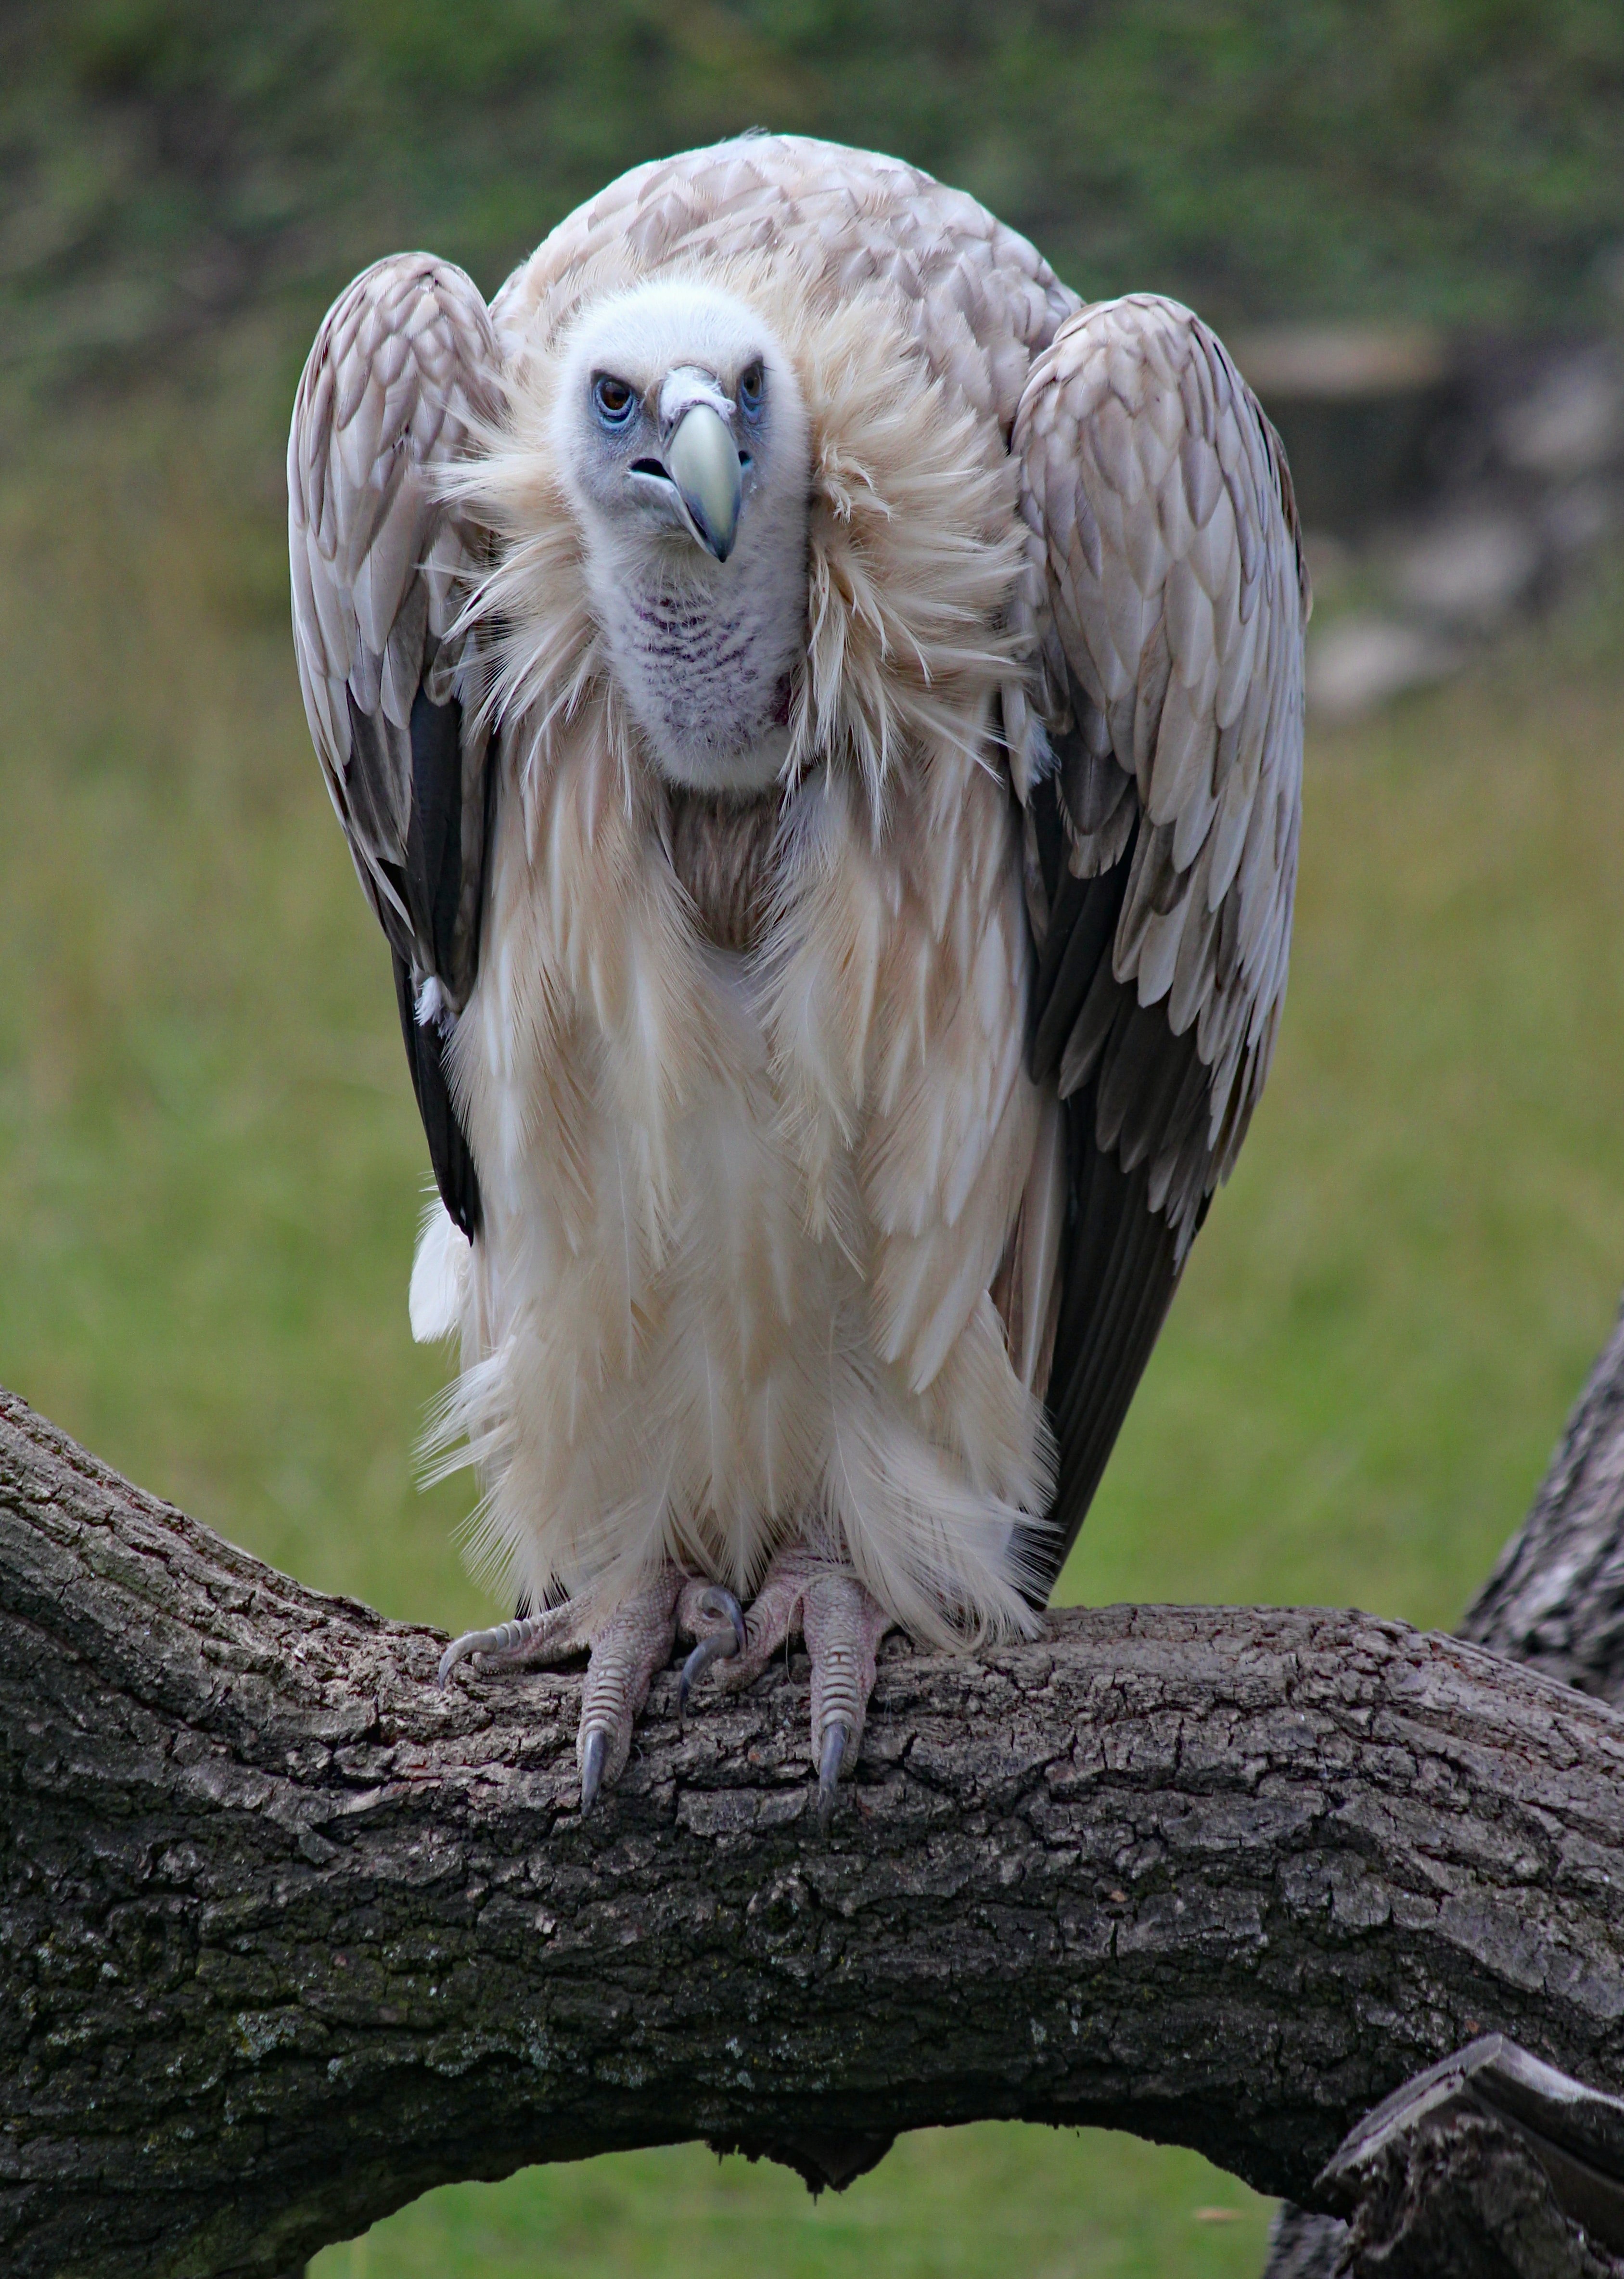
(1135, 1082)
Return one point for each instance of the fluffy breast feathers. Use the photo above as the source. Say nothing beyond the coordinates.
(743, 1214)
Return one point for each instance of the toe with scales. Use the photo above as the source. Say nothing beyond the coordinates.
(552, 1636)
(626, 1648)
(712, 1614)
(807, 1596)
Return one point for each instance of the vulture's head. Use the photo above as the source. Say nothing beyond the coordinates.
(681, 433)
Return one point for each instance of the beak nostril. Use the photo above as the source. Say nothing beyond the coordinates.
(650, 467)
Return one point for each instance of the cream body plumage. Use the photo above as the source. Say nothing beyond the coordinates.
(706, 1314)
(818, 713)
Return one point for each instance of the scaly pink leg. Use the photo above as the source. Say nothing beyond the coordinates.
(803, 1594)
(626, 1649)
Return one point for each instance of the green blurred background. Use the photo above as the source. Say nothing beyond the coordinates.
(210, 1167)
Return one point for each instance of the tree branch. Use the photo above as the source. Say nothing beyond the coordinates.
(1555, 1602)
(292, 1935)
(1556, 1598)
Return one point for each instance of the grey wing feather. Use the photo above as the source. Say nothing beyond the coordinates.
(1167, 601)
(403, 375)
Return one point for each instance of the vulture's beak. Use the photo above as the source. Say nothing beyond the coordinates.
(703, 461)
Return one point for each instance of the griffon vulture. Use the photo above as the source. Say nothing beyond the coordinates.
(816, 710)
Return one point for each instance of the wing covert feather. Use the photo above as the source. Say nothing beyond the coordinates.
(1167, 601)
(404, 371)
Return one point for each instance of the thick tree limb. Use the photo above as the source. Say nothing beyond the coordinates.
(1555, 1602)
(290, 1935)
(1556, 1598)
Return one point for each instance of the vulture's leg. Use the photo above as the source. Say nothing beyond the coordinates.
(803, 1595)
(626, 1650)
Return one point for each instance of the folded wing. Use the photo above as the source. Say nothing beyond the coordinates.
(1169, 601)
(404, 370)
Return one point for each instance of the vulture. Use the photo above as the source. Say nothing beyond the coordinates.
(816, 710)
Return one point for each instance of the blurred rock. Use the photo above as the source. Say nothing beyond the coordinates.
(1360, 663)
(1346, 361)
(1470, 570)
(1450, 490)
(1572, 422)
(1581, 514)
(1355, 405)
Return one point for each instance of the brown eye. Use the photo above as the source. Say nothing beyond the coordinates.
(752, 384)
(612, 400)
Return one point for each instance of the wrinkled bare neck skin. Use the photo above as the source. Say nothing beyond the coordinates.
(704, 651)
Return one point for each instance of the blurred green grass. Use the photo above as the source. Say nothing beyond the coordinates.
(210, 1174)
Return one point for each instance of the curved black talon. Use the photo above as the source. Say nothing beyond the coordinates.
(837, 1733)
(720, 1647)
(592, 1768)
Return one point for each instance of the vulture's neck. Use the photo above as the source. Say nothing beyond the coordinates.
(705, 653)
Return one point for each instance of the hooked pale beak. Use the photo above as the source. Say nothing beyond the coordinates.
(704, 465)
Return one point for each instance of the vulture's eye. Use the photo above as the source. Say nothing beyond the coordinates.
(612, 400)
(751, 385)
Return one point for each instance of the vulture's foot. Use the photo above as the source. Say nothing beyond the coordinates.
(803, 1595)
(625, 1651)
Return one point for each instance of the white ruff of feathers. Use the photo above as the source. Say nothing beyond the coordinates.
(741, 1218)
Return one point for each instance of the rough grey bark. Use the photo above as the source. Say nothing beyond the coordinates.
(1469, 2201)
(290, 1935)
(1556, 1598)
(1490, 2164)
(1303, 2244)
(1555, 1602)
